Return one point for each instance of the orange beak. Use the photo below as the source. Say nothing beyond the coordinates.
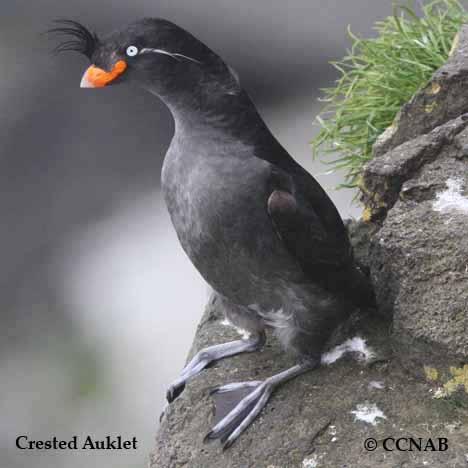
(95, 77)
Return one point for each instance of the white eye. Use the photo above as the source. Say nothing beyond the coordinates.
(132, 51)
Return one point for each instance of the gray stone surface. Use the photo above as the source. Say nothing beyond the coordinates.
(419, 258)
(383, 177)
(416, 191)
(442, 99)
(308, 422)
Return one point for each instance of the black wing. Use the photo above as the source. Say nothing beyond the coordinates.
(304, 216)
(325, 256)
(310, 226)
(306, 236)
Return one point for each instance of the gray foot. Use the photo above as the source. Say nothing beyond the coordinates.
(231, 426)
(235, 386)
(208, 355)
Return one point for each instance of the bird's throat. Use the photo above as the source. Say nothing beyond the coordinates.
(214, 115)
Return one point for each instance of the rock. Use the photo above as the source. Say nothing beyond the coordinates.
(417, 192)
(419, 258)
(383, 177)
(313, 420)
(444, 98)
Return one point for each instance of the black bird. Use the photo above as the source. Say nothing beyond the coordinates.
(260, 229)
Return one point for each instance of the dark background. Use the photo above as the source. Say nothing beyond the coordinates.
(93, 282)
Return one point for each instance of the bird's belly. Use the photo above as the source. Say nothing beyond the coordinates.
(223, 226)
(228, 254)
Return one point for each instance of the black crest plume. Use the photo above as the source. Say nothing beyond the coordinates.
(81, 39)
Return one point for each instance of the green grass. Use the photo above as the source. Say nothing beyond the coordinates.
(378, 76)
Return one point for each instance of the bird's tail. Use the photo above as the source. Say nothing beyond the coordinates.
(359, 287)
(351, 282)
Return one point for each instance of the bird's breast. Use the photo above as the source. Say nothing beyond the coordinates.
(217, 203)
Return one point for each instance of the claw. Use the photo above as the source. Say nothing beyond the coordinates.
(227, 445)
(208, 437)
(173, 392)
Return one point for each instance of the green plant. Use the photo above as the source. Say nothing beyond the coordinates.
(378, 76)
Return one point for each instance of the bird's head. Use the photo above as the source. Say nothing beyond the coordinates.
(153, 53)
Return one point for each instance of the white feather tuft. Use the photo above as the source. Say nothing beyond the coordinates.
(352, 345)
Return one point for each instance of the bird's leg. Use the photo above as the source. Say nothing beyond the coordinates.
(213, 353)
(229, 428)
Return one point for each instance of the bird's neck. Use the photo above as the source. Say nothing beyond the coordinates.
(232, 116)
